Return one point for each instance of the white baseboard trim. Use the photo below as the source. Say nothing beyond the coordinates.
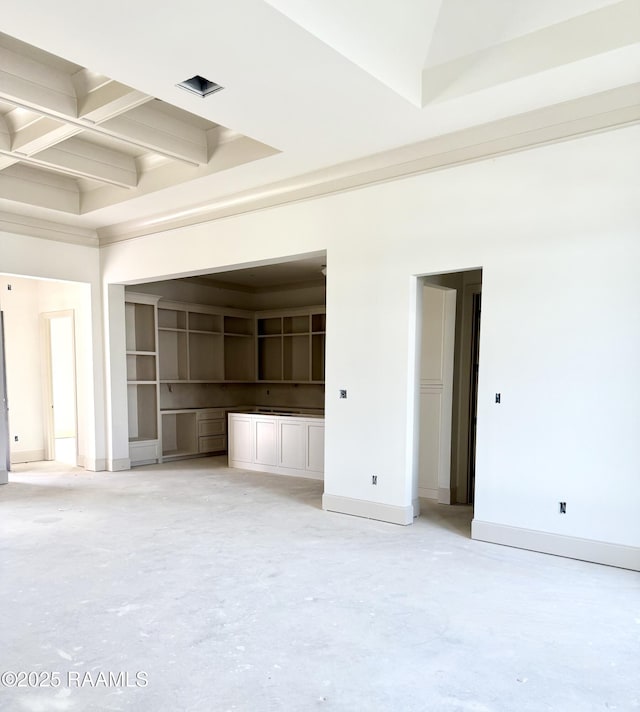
(416, 507)
(597, 552)
(428, 492)
(124, 463)
(444, 495)
(93, 465)
(26, 456)
(370, 510)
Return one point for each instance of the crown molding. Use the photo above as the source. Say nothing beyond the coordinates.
(560, 122)
(36, 227)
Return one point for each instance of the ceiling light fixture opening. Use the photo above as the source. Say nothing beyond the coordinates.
(200, 86)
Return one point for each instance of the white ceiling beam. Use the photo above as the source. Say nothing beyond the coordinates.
(5, 134)
(156, 131)
(100, 98)
(24, 184)
(88, 101)
(42, 134)
(6, 161)
(83, 159)
(32, 84)
(135, 124)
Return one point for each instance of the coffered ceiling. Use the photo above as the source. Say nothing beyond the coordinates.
(97, 139)
(74, 141)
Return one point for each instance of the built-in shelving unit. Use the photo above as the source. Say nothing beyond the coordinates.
(290, 346)
(174, 343)
(192, 432)
(200, 344)
(142, 377)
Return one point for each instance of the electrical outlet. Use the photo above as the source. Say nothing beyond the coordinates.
(563, 508)
(374, 479)
(498, 397)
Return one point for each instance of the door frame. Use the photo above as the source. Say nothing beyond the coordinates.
(5, 440)
(47, 379)
(464, 394)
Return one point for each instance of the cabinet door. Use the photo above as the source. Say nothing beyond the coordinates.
(266, 441)
(240, 436)
(315, 447)
(211, 443)
(292, 443)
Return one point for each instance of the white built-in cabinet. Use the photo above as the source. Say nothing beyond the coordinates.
(170, 342)
(192, 431)
(282, 444)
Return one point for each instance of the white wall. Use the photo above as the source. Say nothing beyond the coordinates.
(556, 232)
(23, 354)
(23, 256)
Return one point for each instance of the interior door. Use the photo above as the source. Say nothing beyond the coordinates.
(436, 392)
(4, 412)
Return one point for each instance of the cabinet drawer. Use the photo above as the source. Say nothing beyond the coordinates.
(212, 443)
(144, 452)
(210, 413)
(211, 427)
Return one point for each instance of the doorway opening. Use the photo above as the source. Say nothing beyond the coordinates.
(47, 399)
(60, 407)
(447, 385)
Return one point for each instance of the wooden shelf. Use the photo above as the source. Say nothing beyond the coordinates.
(290, 347)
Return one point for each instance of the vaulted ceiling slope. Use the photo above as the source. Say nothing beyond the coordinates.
(318, 96)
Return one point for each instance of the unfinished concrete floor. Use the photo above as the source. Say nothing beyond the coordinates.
(235, 591)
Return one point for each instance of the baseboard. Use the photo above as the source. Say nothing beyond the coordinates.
(370, 510)
(26, 456)
(93, 465)
(416, 507)
(444, 495)
(124, 463)
(597, 552)
(428, 492)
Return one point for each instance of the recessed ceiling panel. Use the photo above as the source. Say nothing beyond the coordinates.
(113, 142)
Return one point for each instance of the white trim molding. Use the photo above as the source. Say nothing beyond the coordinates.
(444, 495)
(20, 456)
(597, 552)
(124, 463)
(559, 122)
(47, 230)
(91, 465)
(428, 493)
(391, 513)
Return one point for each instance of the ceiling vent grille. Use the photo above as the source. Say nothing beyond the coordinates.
(200, 86)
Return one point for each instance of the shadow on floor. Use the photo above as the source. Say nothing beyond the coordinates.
(455, 518)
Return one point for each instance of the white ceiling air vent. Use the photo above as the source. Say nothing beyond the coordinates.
(200, 86)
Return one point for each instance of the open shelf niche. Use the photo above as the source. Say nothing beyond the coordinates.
(290, 346)
(140, 311)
